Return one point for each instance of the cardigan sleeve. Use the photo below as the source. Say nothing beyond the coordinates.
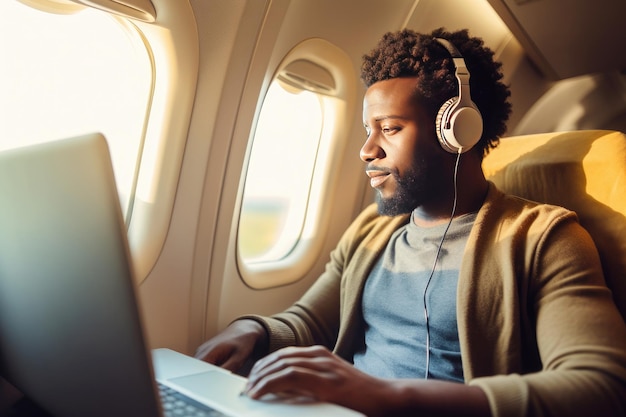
(315, 318)
(565, 347)
(329, 312)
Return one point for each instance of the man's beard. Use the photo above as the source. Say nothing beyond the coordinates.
(409, 193)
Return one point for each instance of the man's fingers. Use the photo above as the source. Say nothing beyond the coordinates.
(290, 380)
(314, 352)
(304, 371)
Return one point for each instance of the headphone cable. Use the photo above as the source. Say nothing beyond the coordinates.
(432, 272)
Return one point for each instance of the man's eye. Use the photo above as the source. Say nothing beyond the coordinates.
(387, 130)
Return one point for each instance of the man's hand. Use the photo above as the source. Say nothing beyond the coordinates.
(317, 373)
(235, 345)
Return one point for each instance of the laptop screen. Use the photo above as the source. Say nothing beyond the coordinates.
(70, 331)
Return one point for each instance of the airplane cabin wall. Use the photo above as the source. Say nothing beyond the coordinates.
(228, 296)
(595, 101)
(167, 293)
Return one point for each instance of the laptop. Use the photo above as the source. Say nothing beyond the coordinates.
(70, 330)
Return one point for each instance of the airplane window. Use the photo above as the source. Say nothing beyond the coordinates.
(68, 74)
(278, 181)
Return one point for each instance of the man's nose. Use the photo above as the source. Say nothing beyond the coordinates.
(371, 149)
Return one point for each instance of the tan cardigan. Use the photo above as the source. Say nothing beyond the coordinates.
(538, 329)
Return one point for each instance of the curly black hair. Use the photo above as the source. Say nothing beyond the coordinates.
(407, 53)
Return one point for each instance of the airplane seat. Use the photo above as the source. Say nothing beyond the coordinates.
(584, 171)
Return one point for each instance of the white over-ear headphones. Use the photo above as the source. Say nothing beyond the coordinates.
(459, 124)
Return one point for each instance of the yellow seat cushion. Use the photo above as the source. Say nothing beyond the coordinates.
(584, 171)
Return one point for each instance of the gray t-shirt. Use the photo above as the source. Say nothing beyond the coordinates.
(393, 304)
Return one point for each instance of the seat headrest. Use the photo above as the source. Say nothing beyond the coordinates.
(584, 171)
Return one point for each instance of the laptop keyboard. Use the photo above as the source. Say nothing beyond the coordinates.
(176, 404)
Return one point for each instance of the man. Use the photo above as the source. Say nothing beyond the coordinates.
(453, 299)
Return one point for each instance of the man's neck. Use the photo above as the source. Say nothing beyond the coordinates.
(470, 198)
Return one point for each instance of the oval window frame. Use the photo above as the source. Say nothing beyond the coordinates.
(340, 98)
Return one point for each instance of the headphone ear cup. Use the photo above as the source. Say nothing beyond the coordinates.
(442, 117)
(458, 128)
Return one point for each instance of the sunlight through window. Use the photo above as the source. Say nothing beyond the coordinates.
(64, 75)
(278, 181)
